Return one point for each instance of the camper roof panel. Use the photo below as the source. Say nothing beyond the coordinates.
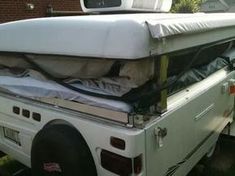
(129, 36)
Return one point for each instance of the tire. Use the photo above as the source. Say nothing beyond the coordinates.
(60, 150)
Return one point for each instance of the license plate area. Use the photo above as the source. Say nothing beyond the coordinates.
(12, 135)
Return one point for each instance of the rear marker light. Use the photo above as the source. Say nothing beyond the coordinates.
(138, 164)
(118, 143)
(232, 90)
(116, 164)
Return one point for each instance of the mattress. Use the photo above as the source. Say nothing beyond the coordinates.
(33, 85)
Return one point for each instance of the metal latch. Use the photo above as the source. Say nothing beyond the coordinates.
(160, 133)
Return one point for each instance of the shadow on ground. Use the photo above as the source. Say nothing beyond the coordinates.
(222, 163)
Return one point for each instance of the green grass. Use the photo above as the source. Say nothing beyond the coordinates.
(9, 166)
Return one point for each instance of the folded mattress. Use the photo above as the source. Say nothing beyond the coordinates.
(34, 85)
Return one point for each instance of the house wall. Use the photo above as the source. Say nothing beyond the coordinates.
(11, 10)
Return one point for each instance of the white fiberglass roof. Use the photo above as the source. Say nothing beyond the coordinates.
(122, 36)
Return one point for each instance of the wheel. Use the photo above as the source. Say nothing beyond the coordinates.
(60, 150)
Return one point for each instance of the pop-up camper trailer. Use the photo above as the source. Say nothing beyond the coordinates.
(116, 94)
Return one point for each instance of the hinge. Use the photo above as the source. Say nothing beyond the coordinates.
(160, 133)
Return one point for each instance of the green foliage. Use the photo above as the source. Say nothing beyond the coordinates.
(8, 166)
(186, 6)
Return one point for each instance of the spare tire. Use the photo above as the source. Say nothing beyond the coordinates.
(60, 150)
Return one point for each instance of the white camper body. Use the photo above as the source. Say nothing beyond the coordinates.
(166, 138)
(125, 5)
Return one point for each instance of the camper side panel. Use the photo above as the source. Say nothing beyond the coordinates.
(196, 117)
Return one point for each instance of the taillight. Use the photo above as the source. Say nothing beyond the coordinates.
(232, 90)
(121, 165)
(115, 163)
(138, 164)
(231, 87)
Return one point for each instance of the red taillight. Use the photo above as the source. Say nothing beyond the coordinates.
(115, 163)
(232, 89)
(138, 164)
(118, 143)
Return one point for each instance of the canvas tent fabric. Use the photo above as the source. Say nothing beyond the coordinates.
(197, 74)
(31, 83)
(61, 66)
(131, 74)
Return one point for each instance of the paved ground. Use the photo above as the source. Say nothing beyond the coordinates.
(221, 164)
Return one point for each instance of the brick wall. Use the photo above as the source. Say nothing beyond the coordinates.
(11, 10)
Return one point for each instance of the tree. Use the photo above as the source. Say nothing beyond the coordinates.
(186, 6)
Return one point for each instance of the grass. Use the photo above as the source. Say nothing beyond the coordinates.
(10, 167)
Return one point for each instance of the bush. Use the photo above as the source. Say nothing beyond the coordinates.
(186, 6)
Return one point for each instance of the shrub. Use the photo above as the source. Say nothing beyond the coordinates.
(186, 6)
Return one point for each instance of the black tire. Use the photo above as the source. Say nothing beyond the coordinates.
(60, 150)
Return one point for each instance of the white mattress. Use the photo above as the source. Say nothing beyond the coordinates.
(36, 88)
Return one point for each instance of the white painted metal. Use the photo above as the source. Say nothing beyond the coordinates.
(195, 118)
(130, 36)
(133, 5)
(184, 132)
(96, 134)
